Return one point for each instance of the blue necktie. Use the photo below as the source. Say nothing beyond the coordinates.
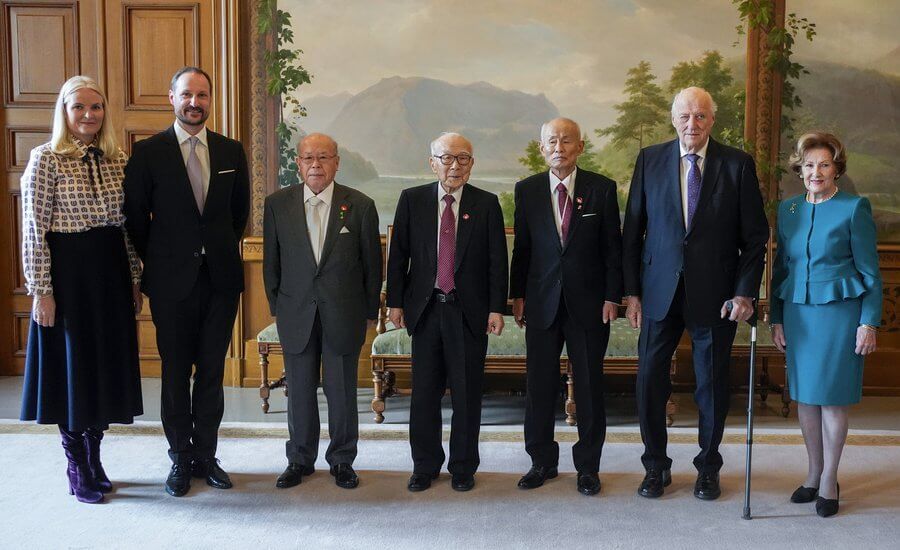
(693, 186)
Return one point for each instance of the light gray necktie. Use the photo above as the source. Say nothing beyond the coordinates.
(314, 223)
(195, 174)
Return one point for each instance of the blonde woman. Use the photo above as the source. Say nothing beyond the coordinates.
(826, 305)
(81, 366)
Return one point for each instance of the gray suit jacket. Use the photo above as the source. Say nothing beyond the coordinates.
(344, 288)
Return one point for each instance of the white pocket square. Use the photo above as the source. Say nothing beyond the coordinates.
(226, 171)
(344, 230)
(588, 215)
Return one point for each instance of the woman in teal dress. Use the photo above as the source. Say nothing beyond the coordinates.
(826, 305)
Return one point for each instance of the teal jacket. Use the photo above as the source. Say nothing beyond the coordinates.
(826, 253)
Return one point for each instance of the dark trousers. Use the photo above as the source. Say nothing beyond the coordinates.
(585, 348)
(446, 352)
(193, 332)
(711, 354)
(338, 374)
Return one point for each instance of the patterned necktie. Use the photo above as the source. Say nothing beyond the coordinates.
(447, 247)
(314, 223)
(693, 186)
(565, 211)
(195, 174)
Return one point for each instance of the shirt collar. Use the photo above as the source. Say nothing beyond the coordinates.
(182, 135)
(457, 194)
(701, 153)
(325, 195)
(568, 181)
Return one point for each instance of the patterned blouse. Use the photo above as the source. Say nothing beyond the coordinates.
(69, 195)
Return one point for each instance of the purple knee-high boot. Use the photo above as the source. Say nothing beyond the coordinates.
(92, 439)
(81, 483)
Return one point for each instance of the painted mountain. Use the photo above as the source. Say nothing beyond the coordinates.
(392, 122)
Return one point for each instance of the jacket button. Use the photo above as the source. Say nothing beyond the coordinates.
(196, 254)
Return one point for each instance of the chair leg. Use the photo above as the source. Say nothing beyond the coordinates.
(671, 411)
(378, 398)
(264, 384)
(571, 418)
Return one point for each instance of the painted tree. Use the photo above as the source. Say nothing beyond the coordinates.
(644, 110)
(533, 159)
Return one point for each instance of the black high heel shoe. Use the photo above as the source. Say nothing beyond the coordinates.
(804, 494)
(827, 507)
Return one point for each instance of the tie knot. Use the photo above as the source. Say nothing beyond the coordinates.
(193, 140)
(692, 157)
(315, 201)
(448, 198)
(561, 188)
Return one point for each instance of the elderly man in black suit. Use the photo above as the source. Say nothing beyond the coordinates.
(566, 283)
(694, 239)
(447, 281)
(187, 199)
(322, 271)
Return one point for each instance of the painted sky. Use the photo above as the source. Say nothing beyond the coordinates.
(575, 52)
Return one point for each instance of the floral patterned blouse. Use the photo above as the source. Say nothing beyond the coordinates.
(69, 195)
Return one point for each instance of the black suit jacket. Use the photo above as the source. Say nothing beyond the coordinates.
(720, 255)
(481, 269)
(586, 270)
(167, 229)
(344, 288)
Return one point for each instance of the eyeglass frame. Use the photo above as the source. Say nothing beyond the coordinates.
(456, 158)
(312, 159)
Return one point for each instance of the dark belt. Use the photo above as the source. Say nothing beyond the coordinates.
(442, 298)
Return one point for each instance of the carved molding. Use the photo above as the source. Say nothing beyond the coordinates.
(259, 123)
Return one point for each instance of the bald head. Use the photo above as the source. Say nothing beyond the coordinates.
(457, 150)
(693, 116)
(317, 158)
(561, 145)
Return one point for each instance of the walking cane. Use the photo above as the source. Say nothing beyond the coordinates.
(751, 386)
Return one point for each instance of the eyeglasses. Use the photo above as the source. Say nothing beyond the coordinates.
(447, 159)
(311, 159)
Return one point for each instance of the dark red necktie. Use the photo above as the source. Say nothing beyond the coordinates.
(447, 247)
(565, 210)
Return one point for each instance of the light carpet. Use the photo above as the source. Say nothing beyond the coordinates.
(37, 512)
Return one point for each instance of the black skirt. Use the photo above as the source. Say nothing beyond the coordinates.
(83, 372)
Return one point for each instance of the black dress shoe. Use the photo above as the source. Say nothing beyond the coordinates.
(214, 474)
(707, 486)
(588, 484)
(293, 474)
(536, 476)
(179, 481)
(344, 476)
(654, 483)
(462, 482)
(804, 494)
(420, 482)
(827, 507)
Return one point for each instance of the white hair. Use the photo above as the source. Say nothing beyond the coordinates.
(680, 96)
(435, 144)
(545, 127)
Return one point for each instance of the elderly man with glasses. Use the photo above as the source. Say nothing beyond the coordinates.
(446, 284)
(322, 271)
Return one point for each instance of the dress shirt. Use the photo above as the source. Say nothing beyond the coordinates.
(441, 205)
(59, 196)
(202, 150)
(569, 182)
(685, 168)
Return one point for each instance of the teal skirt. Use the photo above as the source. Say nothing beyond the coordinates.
(822, 367)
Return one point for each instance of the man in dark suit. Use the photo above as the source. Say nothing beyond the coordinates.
(322, 271)
(566, 283)
(187, 199)
(447, 281)
(694, 239)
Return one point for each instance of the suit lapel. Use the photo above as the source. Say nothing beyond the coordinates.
(672, 169)
(338, 199)
(463, 225)
(581, 195)
(709, 179)
(176, 160)
(545, 209)
(212, 143)
(431, 230)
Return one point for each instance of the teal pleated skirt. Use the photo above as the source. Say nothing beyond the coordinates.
(822, 367)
